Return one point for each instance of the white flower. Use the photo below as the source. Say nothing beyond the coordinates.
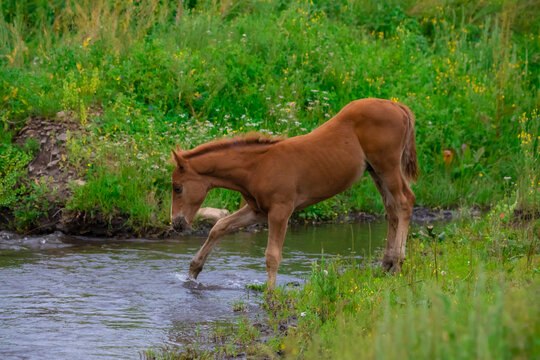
(302, 314)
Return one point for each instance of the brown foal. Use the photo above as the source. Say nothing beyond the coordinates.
(278, 176)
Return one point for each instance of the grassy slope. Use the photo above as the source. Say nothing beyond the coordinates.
(158, 75)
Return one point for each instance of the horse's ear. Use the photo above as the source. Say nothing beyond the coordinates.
(181, 163)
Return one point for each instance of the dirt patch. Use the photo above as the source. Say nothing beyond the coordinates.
(50, 161)
(49, 170)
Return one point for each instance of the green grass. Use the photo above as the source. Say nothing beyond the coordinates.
(141, 77)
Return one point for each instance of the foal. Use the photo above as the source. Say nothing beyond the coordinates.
(278, 176)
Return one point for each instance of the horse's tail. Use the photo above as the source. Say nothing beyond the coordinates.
(409, 165)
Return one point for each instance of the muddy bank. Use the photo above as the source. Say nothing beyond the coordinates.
(72, 222)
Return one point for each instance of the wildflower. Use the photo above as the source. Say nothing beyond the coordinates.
(507, 177)
(302, 314)
(447, 157)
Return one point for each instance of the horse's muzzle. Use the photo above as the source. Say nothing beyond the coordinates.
(180, 224)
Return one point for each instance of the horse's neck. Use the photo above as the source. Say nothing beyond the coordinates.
(227, 168)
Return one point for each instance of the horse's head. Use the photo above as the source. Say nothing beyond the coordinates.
(189, 190)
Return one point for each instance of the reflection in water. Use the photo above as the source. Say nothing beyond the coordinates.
(63, 297)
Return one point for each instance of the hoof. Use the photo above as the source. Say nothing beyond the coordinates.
(194, 270)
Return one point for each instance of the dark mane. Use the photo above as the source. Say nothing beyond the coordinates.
(251, 139)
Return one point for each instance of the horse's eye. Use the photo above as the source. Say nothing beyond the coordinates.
(178, 189)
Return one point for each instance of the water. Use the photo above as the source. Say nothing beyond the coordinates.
(78, 298)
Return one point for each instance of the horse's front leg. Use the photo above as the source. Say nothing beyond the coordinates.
(278, 216)
(243, 217)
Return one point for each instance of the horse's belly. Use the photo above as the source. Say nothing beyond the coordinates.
(327, 181)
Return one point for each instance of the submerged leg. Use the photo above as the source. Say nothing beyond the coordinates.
(398, 201)
(278, 217)
(243, 217)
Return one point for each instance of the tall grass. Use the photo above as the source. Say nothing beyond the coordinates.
(478, 321)
(143, 76)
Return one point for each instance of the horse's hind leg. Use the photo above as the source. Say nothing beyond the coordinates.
(243, 217)
(398, 201)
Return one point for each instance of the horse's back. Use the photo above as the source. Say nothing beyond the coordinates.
(381, 126)
(373, 112)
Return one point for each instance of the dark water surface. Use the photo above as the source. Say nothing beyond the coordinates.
(77, 298)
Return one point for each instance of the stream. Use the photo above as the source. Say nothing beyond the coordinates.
(66, 297)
